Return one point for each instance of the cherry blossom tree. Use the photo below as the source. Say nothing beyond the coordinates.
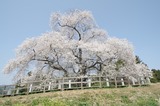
(76, 46)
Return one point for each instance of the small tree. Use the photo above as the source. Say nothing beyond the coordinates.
(156, 76)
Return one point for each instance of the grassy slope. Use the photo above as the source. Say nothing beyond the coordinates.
(129, 96)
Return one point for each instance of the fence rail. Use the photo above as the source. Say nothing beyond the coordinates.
(69, 83)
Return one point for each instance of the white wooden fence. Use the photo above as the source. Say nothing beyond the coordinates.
(70, 83)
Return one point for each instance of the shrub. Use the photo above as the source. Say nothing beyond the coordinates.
(156, 76)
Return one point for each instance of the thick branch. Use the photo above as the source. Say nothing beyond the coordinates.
(54, 63)
(72, 28)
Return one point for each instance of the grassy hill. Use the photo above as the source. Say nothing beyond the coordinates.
(129, 96)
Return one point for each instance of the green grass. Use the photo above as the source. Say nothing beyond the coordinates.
(128, 96)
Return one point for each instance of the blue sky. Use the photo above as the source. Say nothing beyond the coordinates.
(136, 20)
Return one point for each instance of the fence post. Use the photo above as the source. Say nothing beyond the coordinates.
(107, 82)
(49, 87)
(69, 83)
(129, 83)
(30, 88)
(148, 80)
(100, 83)
(115, 80)
(133, 82)
(122, 81)
(62, 84)
(44, 90)
(9, 92)
(59, 84)
(142, 80)
(89, 82)
(81, 83)
(139, 81)
(17, 91)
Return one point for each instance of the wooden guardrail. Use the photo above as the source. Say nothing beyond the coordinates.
(69, 83)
